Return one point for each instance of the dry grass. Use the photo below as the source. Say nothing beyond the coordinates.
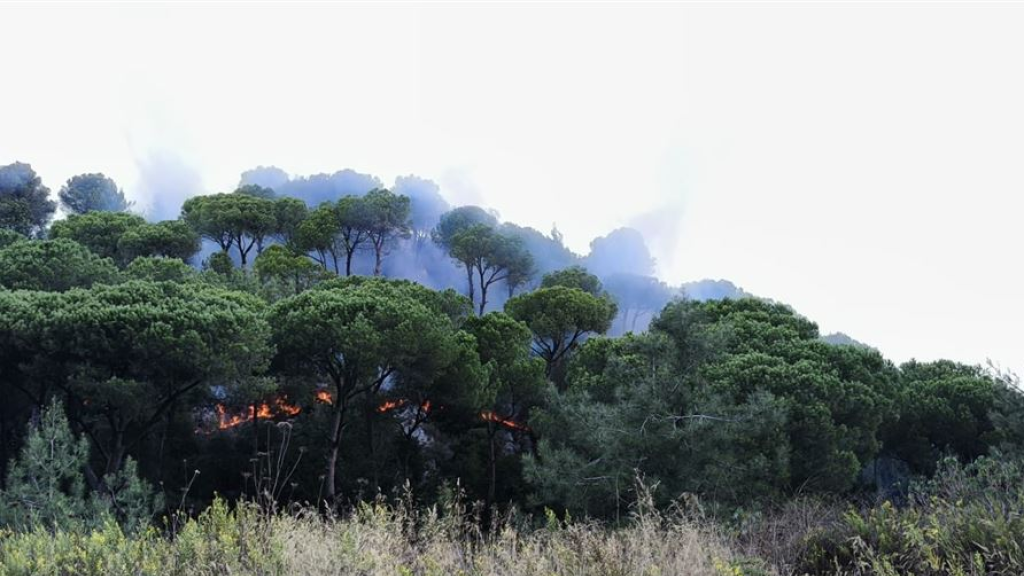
(379, 539)
(385, 541)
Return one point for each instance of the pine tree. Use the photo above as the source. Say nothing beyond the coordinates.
(44, 485)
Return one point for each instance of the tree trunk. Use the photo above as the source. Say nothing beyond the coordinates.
(370, 414)
(379, 257)
(255, 430)
(469, 277)
(330, 492)
(491, 487)
(116, 455)
(483, 292)
(348, 261)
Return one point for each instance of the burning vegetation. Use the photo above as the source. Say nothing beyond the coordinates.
(280, 408)
(276, 408)
(489, 416)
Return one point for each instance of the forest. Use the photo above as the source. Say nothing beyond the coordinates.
(325, 374)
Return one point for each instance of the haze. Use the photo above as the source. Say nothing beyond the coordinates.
(859, 162)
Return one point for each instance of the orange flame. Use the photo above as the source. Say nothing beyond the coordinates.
(390, 405)
(324, 397)
(489, 416)
(277, 407)
(425, 406)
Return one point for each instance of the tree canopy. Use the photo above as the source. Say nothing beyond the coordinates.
(92, 192)
(53, 265)
(25, 205)
(560, 318)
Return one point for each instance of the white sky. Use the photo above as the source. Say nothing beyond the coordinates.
(861, 162)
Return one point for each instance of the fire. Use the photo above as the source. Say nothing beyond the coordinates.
(277, 407)
(390, 405)
(324, 397)
(489, 416)
(425, 406)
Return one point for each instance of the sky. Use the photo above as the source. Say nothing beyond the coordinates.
(860, 162)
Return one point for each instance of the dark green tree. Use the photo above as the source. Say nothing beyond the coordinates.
(123, 356)
(491, 256)
(356, 338)
(628, 410)
(559, 319)
(238, 221)
(53, 265)
(456, 221)
(837, 397)
(942, 408)
(99, 231)
(8, 237)
(290, 213)
(92, 193)
(167, 239)
(573, 277)
(160, 269)
(387, 219)
(515, 382)
(355, 218)
(45, 485)
(25, 205)
(285, 273)
(320, 235)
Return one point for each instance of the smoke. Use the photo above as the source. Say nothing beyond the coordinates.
(318, 188)
(713, 290)
(660, 228)
(266, 176)
(165, 182)
(621, 251)
(425, 199)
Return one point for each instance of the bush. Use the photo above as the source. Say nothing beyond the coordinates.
(966, 520)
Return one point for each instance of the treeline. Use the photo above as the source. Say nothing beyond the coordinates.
(276, 371)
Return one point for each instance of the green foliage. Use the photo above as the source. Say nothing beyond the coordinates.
(967, 520)
(53, 265)
(387, 219)
(289, 213)
(238, 221)
(25, 206)
(944, 409)
(491, 256)
(285, 273)
(629, 411)
(160, 269)
(458, 220)
(8, 237)
(92, 192)
(573, 277)
(99, 231)
(356, 338)
(220, 263)
(168, 239)
(334, 231)
(1007, 415)
(559, 317)
(45, 487)
(516, 378)
(837, 398)
(123, 355)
